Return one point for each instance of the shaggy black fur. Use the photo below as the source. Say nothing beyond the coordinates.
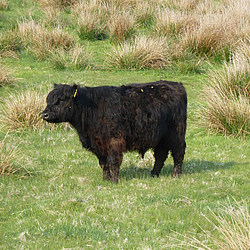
(111, 120)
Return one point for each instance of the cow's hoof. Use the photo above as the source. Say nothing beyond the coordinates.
(176, 174)
(153, 174)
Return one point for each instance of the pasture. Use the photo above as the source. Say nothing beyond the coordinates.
(52, 194)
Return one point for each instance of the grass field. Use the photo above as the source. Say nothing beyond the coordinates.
(51, 191)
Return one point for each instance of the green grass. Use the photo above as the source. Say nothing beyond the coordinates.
(57, 199)
(65, 204)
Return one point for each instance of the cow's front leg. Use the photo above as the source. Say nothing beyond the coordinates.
(105, 169)
(115, 155)
(106, 172)
(115, 173)
(114, 163)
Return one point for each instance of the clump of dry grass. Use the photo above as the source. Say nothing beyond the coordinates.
(10, 44)
(57, 4)
(91, 25)
(230, 116)
(4, 4)
(228, 96)
(144, 13)
(185, 5)
(121, 26)
(22, 111)
(217, 29)
(77, 57)
(6, 75)
(173, 22)
(10, 156)
(39, 40)
(140, 53)
(100, 19)
(207, 37)
(231, 225)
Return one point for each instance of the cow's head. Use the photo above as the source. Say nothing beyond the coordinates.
(60, 103)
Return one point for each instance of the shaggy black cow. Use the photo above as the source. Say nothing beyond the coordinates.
(112, 120)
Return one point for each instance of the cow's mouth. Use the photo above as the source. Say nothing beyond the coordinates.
(49, 117)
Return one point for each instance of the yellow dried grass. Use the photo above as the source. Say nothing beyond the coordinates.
(22, 111)
(10, 155)
(231, 231)
(40, 40)
(142, 52)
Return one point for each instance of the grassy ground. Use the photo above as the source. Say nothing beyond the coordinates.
(65, 203)
(59, 201)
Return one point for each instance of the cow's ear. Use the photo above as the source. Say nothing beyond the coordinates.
(55, 85)
(75, 90)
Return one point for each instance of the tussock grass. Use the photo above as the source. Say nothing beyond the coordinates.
(173, 22)
(145, 13)
(100, 19)
(216, 29)
(231, 231)
(140, 53)
(10, 44)
(57, 4)
(6, 75)
(186, 5)
(10, 156)
(229, 116)
(4, 4)
(77, 57)
(22, 111)
(91, 25)
(39, 40)
(228, 95)
(206, 38)
(121, 26)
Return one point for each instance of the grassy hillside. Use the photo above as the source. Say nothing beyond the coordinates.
(52, 193)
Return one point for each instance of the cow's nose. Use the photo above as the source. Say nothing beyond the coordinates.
(45, 116)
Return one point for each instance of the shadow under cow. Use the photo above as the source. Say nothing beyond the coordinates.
(189, 167)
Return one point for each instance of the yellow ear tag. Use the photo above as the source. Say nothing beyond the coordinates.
(75, 93)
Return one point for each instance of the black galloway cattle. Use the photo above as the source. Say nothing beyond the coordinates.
(112, 120)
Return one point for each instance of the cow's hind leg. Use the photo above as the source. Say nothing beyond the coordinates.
(160, 154)
(178, 155)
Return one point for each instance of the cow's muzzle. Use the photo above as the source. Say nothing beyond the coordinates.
(45, 116)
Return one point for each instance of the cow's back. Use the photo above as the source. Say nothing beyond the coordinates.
(152, 111)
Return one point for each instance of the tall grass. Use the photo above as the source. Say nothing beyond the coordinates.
(22, 111)
(140, 53)
(6, 75)
(91, 25)
(4, 4)
(102, 19)
(121, 26)
(229, 116)
(10, 156)
(173, 22)
(145, 13)
(208, 37)
(228, 96)
(206, 28)
(39, 39)
(231, 229)
(57, 4)
(10, 45)
(77, 57)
